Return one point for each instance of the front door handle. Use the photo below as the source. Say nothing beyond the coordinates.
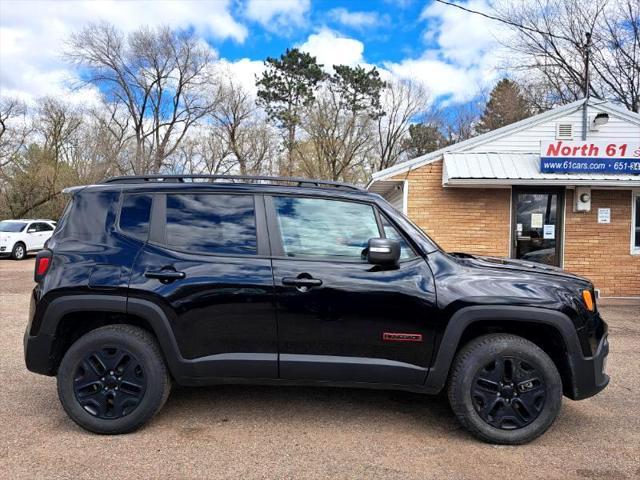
(165, 276)
(301, 283)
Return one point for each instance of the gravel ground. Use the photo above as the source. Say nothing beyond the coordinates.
(283, 432)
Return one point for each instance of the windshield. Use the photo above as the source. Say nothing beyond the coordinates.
(9, 226)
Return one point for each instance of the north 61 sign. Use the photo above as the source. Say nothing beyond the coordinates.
(590, 157)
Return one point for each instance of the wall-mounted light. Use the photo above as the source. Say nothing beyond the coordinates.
(599, 120)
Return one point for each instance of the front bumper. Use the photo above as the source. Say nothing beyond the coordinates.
(588, 376)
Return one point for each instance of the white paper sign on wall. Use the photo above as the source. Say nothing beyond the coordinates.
(549, 232)
(604, 215)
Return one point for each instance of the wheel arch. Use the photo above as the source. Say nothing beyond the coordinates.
(68, 318)
(551, 330)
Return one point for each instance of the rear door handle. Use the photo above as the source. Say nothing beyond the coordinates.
(165, 275)
(301, 282)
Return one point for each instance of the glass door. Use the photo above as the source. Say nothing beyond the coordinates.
(537, 226)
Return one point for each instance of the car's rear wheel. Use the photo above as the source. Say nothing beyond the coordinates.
(504, 389)
(19, 251)
(113, 379)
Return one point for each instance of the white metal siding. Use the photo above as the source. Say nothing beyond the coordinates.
(395, 197)
(516, 166)
(529, 140)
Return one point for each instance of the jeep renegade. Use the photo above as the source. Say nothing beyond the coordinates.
(205, 280)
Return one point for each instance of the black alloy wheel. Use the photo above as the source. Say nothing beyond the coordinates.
(109, 383)
(113, 379)
(504, 389)
(508, 393)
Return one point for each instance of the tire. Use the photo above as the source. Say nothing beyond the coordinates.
(504, 389)
(19, 251)
(113, 379)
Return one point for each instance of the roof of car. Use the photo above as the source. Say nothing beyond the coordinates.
(30, 220)
(231, 183)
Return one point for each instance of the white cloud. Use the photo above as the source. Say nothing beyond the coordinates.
(462, 53)
(33, 35)
(330, 49)
(278, 15)
(462, 37)
(354, 19)
(243, 72)
(440, 78)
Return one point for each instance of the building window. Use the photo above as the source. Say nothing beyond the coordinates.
(635, 224)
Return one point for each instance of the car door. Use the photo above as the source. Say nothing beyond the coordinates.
(207, 265)
(45, 231)
(32, 237)
(340, 318)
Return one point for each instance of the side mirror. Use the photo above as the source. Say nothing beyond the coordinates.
(31, 230)
(383, 251)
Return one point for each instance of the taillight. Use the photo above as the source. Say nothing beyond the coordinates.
(43, 262)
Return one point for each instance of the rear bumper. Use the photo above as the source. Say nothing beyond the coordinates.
(37, 351)
(589, 375)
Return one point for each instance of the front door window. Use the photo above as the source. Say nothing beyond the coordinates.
(537, 228)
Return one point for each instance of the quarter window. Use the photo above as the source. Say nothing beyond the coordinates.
(313, 227)
(213, 224)
(391, 232)
(43, 227)
(135, 214)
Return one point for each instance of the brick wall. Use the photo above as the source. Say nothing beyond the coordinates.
(601, 251)
(477, 220)
(473, 220)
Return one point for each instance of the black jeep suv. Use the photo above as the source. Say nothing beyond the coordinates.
(212, 280)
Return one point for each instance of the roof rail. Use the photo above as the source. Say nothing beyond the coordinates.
(300, 182)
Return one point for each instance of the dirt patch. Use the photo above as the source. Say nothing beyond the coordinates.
(268, 432)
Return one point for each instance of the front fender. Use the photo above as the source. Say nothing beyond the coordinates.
(463, 318)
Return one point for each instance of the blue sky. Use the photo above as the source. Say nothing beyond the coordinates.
(389, 32)
(454, 54)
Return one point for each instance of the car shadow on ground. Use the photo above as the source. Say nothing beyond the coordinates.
(309, 405)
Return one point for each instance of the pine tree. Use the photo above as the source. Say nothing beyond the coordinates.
(506, 105)
(423, 138)
(286, 86)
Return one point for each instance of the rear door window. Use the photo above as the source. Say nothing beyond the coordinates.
(211, 224)
(43, 227)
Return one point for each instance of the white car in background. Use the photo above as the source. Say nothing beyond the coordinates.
(17, 237)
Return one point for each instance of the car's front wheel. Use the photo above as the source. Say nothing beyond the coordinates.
(504, 389)
(19, 251)
(113, 379)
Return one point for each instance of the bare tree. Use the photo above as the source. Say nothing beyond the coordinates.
(246, 132)
(404, 102)
(156, 76)
(459, 121)
(554, 37)
(14, 129)
(616, 61)
(337, 140)
(38, 175)
(204, 152)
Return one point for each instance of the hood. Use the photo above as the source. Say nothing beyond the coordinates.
(515, 265)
